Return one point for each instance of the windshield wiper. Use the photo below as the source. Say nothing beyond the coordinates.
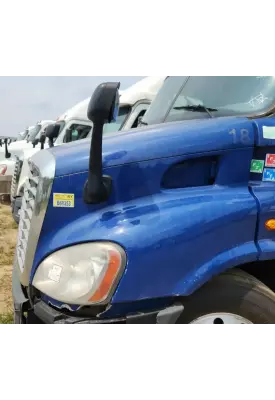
(198, 108)
(141, 122)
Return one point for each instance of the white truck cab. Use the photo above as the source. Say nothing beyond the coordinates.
(36, 132)
(74, 125)
(7, 164)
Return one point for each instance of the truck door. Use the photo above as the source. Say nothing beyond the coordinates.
(262, 184)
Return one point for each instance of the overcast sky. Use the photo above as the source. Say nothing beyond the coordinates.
(26, 100)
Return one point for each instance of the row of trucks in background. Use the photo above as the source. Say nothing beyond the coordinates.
(151, 205)
(71, 126)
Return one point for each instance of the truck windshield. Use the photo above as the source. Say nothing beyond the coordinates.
(183, 98)
(34, 132)
(23, 135)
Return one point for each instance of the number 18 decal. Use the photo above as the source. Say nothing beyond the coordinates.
(243, 136)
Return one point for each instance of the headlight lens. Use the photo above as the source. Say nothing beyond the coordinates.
(83, 274)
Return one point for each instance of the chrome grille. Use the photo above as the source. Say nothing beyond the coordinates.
(26, 213)
(37, 191)
(15, 177)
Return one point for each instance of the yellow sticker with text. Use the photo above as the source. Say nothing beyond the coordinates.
(63, 200)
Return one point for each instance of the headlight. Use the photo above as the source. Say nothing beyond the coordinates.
(84, 274)
(3, 169)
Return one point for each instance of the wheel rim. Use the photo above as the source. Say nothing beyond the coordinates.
(221, 318)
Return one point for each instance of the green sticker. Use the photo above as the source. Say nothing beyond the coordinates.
(257, 166)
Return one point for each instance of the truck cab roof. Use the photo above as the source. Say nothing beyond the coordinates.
(145, 89)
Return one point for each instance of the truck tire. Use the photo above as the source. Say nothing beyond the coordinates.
(232, 297)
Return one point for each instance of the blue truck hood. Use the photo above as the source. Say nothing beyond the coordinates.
(151, 142)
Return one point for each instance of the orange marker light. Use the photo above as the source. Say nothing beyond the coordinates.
(109, 278)
(270, 225)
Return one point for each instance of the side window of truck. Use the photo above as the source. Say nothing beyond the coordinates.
(137, 113)
(140, 115)
(76, 132)
(117, 125)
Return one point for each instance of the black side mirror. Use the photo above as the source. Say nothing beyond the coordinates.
(7, 154)
(35, 142)
(103, 108)
(104, 103)
(42, 140)
(52, 131)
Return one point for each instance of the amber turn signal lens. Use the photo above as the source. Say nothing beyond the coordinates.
(109, 278)
(270, 225)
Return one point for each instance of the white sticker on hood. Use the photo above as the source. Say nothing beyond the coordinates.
(269, 132)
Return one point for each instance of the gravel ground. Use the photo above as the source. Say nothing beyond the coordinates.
(8, 233)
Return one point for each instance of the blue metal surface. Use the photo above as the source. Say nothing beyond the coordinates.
(175, 239)
(159, 141)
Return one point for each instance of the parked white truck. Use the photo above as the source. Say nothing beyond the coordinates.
(75, 125)
(9, 153)
(7, 161)
(17, 147)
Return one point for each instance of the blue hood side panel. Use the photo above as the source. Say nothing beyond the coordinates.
(174, 239)
(159, 141)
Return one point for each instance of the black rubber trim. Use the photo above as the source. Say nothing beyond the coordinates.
(49, 315)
